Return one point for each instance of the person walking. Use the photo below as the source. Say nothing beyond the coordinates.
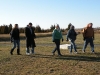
(88, 37)
(30, 36)
(56, 37)
(71, 36)
(68, 28)
(15, 35)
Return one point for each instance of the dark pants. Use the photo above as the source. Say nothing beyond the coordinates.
(86, 41)
(57, 42)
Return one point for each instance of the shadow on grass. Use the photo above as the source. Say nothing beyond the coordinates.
(89, 57)
(80, 57)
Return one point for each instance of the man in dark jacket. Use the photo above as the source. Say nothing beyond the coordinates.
(71, 35)
(30, 36)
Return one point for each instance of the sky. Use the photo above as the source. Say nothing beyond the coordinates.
(49, 12)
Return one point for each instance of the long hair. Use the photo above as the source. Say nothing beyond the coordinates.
(89, 24)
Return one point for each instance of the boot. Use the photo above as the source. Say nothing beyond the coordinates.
(59, 54)
(18, 52)
(11, 52)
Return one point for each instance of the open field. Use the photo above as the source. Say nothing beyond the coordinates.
(6, 37)
(44, 63)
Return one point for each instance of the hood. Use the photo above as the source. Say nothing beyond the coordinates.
(71, 27)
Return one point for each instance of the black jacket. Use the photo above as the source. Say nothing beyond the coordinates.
(15, 34)
(30, 35)
(71, 34)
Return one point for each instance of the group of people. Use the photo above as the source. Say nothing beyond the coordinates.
(88, 37)
(30, 36)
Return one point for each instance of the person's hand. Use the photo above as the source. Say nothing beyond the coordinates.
(66, 39)
(11, 41)
(84, 38)
(93, 38)
(62, 40)
(53, 40)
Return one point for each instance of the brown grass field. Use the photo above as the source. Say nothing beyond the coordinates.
(44, 63)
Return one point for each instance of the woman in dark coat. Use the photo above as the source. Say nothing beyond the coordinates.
(15, 35)
(30, 36)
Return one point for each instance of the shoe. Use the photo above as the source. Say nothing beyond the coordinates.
(32, 53)
(93, 52)
(53, 53)
(83, 51)
(19, 54)
(11, 53)
(75, 52)
(70, 52)
(27, 53)
(60, 55)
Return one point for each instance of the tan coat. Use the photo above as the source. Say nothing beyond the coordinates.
(88, 32)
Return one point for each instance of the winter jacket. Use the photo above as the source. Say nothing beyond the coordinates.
(57, 34)
(15, 34)
(71, 35)
(88, 32)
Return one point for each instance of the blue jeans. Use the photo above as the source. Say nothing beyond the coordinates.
(16, 42)
(88, 40)
(73, 46)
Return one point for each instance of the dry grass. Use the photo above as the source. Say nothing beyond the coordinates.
(44, 63)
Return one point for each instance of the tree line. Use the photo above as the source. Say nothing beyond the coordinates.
(6, 29)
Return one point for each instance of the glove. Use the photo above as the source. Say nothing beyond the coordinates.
(62, 40)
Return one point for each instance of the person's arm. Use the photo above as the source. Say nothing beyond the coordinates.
(13, 33)
(34, 33)
(26, 31)
(11, 39)
(62, 36)
(84, 34)
(19, 34)
(76, 33)
(67, 36)
(93, 34)
(53, 35)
